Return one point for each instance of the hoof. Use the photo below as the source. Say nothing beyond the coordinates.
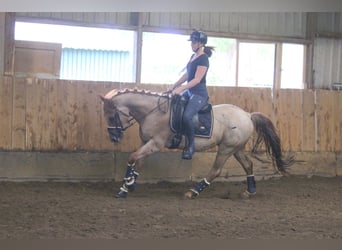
(247, 195)
(121, 194)
(189, 195)
(286, 174)
(132, 187)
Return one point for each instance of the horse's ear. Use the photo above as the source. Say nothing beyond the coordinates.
(107, 102)
(102, 98)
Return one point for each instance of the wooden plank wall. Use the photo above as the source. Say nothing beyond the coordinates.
(59, 115)
(6, 111)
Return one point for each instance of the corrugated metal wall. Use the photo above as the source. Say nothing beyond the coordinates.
(329, 22)
(290, 24)
(275, 24)
(327, 62)
(99, 65)
(106, 18)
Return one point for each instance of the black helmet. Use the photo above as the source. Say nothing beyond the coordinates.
(198, 36)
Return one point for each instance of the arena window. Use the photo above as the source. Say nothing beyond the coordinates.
(104, 54)
(88, 53)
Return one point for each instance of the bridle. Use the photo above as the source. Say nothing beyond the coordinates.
(115, 127)
(115, 121)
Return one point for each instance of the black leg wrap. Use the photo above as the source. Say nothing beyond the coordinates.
(131, 178)
(130, 183)
(200, 186)
(251, 186)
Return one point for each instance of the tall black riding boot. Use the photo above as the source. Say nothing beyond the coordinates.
(189, 149)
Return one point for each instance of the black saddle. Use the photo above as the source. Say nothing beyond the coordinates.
(203, 120)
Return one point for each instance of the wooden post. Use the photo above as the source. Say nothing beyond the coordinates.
(9, 43)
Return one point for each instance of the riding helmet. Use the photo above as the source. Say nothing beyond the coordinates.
(198, 36)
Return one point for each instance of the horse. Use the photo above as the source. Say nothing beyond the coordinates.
(232, 128)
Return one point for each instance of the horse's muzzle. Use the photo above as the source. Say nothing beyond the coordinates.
(115, 134)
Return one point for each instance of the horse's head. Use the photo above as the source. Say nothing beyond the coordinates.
(118, 119)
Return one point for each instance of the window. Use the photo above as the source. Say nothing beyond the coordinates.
(222, 70)
(87, 53)
(103, 54)
(292, 71)
(164, 57)
(256, 64)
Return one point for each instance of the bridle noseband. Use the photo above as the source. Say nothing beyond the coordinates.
(115, 127)
(115, 121)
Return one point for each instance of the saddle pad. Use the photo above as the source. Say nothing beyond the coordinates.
(203, 124)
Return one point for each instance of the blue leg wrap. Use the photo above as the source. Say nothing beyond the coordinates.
(200, 186)
(130, 183)
(251, 186)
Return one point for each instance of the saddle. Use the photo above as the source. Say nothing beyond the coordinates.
(203, 120)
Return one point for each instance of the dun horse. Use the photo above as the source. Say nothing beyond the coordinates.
(232, 127)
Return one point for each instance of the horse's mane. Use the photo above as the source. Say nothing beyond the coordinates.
(116, 92)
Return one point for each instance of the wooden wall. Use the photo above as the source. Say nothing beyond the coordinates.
(59, 115)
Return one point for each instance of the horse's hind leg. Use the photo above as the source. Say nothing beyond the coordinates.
(247, 165)
(221, 157)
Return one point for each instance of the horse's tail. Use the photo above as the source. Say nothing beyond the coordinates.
(267, 132)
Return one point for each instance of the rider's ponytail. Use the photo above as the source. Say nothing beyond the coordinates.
(209, 50)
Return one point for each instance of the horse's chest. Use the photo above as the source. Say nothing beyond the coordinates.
(151, 129)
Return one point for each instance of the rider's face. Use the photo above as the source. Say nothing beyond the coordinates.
(195, 45)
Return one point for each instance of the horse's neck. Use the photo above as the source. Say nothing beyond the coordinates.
(140, 105)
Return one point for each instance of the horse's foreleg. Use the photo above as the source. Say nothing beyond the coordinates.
(247, 165)
(135, 160)
(129, 181)
(221, 157)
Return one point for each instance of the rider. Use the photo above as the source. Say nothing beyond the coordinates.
(195, 90)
